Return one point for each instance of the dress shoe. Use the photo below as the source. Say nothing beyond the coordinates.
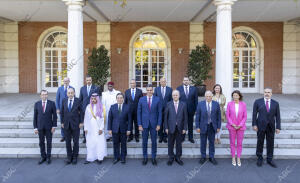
(99, 162)
(107, 140)
(74, 161)
(165, 140)
(154, 162)
(137, 139)
(170, 162)
(213, 161)
(62, 139)
(84, 141)
(129, 139)
(259, 162)
(123, 161)
(179, 161)
(192, 141)
(68, 161)
(160, 140)
(42, 160)
(86, 162)
(116, 161)
(272, 164)
(145, 161)
(49, 161)
(202, 161)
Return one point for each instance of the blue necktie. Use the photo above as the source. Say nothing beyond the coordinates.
(70, 106)
(132, 94)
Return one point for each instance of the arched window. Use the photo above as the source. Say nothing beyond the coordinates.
(245, 62)
(149, 59)
(54, 60)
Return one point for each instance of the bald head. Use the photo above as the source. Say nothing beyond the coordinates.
(66, 81)
(175, 95)
(208, 96)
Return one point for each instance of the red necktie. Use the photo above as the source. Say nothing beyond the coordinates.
(43, 106)
(149, 103)
(267, 105)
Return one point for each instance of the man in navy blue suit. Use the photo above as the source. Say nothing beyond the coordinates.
(266, 121)
(119, 125)
(189, 95)
(149, 116)
(85, 94)
(71, 115)
(44, 123)
(61, 94)
(165, 95)
(132, 97)
(208, 122)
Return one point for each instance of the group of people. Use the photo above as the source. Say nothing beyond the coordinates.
(162, 112)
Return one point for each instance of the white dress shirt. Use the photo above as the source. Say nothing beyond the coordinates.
(269, 102)
(236, 109)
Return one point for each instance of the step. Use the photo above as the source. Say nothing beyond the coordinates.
(247, 143)
(16, 133)
(137, 153)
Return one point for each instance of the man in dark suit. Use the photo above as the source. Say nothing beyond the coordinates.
(119, 125)
(61, 94)
(132, 97)
(165, 95)
(176, 118)
(72, 121)
(44, 123)
(189, 95)
(265, 121)
(149, 120)
(85, 95)
(208, 123)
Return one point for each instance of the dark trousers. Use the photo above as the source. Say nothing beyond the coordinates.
(135, 124)
(269, 133)
(210, 135)
(117, 139)
(172, 137)
(145, 135)
(69, 135)
(61, 130)
(42, 134)
(190, 125)
(161, 133)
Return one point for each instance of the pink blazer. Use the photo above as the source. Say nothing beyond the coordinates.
(240, 120)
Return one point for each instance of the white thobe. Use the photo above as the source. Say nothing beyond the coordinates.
(95, 143)
(108, 99)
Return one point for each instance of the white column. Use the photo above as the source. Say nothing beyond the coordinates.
(224, 46)
(75, 43)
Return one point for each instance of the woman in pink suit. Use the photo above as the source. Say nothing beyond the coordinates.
(236, 115)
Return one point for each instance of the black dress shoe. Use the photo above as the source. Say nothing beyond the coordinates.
(123, 161)
(272, 164)
(99, 162)
(154, 162)
(202, 161)
(170, 162)
(213, 161)
(165, 140)
(107, 140)
(179, 161)
(42, 160)
(86, 162)
(160, 140)
(49, 161)
(74, 161)
(116, 161)
(129, 139)
(192, 141)
(84, 141)
(137, 139)
(68, 161)
(62, 139)
(145, 161)
(259, 162)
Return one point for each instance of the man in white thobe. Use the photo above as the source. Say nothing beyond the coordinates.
(108, 99)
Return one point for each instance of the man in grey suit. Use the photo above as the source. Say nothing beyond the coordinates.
(176, 121)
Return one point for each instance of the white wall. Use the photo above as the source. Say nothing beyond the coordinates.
(291, 58)
(9, 62)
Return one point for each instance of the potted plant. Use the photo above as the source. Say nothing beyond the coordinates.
(98, 66)
(199, 66)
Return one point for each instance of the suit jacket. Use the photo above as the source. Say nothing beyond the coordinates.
(202, 117)
(192, 99)
(240, 120)
(261, 117)
(60, 96)
(84, 97)
(146, 116)
(133, 104)
(74, 117)
(44, 120)
(167, 98)
(171, 118)
(118, 121)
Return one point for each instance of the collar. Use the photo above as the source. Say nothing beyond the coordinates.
(71, 99)
(44, 101)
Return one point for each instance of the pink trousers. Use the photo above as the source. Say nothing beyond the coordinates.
(239, 135)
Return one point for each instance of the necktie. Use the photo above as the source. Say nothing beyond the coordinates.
(70, 105)
(176, 107)
(149, 103)
(208, 113)
(267, 105)
(120, 110)
(163, 92)
(186, 92)
(132, 94)
(43, 106)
